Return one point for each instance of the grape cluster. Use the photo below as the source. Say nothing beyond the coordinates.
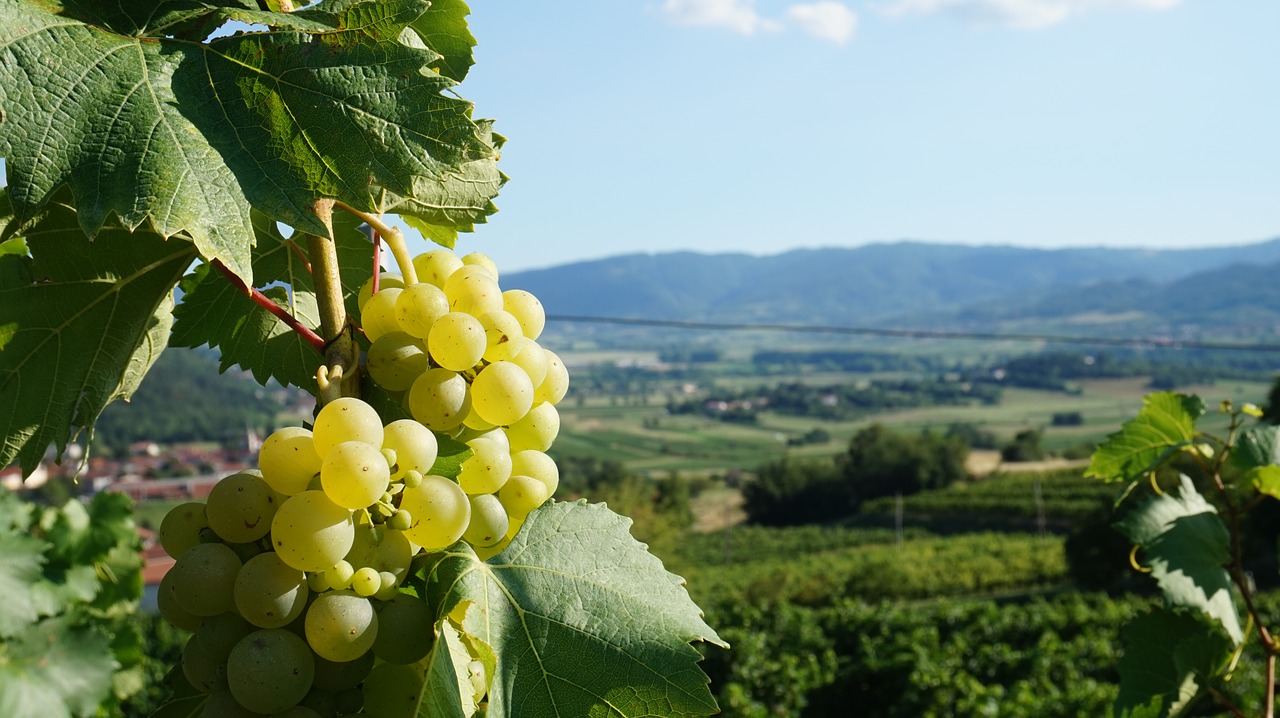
(289, 577)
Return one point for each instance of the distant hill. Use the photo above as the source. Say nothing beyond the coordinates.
(879, 282)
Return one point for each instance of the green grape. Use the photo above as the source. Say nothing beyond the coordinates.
(440, 512)
(320, 701)
(336, 676)
(202, 669)
(317, 581)
(378, 317)
(474, 422)
(522, 494)
(487, 469)
(496, 435)
(439, 400)
(338, 576)
(365, 581)
(533, 359)
(270, 670)
(270, 593)
(479, 259)
(418, 307)
(527, 310)
(456, 341)
(354, 474)
(346, 419)
(475, 673)
(474, 291)
(288, 460)
(389, 585)
(349, 701)
(297, 712)
(400, 521)
(412, 479)
(406, 630)
(393, 691)
(435, 267)
(341, 625)
(502, 393)
(204, 579)
(537, 430)
(386, 280)
(173, 613)
(538, 465)
(219, 634)
(180, 528)
(489, 521)
(246, 551)
(311, 533)
(382, 549)
(395, 359)
(555, 384)
(502, 335)
(223, 705)
(415, 446)
(240, 507)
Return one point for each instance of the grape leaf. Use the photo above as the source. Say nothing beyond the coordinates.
(1167, 658)
(81, 322)
(124, 105)
(447, 691)
(1257, 453)
(1166, 423)
(55, 669)
(584, 621)
(1187, 547)
(216, 312)
(442, 208)
(443, 27)
(21, 559)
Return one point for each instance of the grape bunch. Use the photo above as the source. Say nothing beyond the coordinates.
(290, 577)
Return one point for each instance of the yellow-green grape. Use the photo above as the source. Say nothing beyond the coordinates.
(530, 462)
(502, 335)
(533, 359)
(522, 494)
(401, 520)
(240, 507)
(474, 291)
(435, 267)
(393, 690)
(378, 317)
(270, 670)
(556, 384)
(218, 634)
(390, 584)
(170, 610)
(354, 474)
(223, 705)
(440, 512)
(346, 419)
(298, 711)
(406, 630)
(204, 579)
(270, 593)
(386, 280)
(489, 521)
(180, 528)
(338, 576)
(479, 259)
(537, 430)
(502, 393)
(341, 626)
(339, 676)
(412, 479)
(415, 446)
(395, 359)
(366, 581)
(527, 309)
(487, 469)
(317, 581)
(474, 422)
(439, 400)
(203, 671)
(311, 533)
(456, 341)
(382, 548)
(418, 307)
(288, 460)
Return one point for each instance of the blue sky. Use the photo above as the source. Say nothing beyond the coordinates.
(732, 125)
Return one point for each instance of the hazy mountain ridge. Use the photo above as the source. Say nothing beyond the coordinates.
(876, 283)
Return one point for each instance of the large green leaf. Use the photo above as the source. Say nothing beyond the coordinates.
(1168, 656)
(81, 322)
(21, 559)
(1166, 423)
(128, 107)
(55, 669)
(1187, 547)
(447, 692)
(1257, 453)
(216, 312)
(583, 620)
(443, 27)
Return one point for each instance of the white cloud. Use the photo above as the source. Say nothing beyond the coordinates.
(1027, 14)
(825, 20)
(737, 15)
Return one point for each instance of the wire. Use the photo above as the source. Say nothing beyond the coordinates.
(919, 333)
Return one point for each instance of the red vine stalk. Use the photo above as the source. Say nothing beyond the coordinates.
(262, 300)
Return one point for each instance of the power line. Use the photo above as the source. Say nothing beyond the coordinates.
(1152, 342)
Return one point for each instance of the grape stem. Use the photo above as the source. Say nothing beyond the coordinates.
(340, 348)
(262, 300)
(394, 239)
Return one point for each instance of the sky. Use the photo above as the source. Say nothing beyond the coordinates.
(762, 126)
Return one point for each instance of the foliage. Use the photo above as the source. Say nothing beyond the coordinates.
(881, 462)
(1024, 447)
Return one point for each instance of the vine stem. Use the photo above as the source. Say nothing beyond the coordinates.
(394, 239)
(1271, 685)
(340, 347)
(262, 300)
